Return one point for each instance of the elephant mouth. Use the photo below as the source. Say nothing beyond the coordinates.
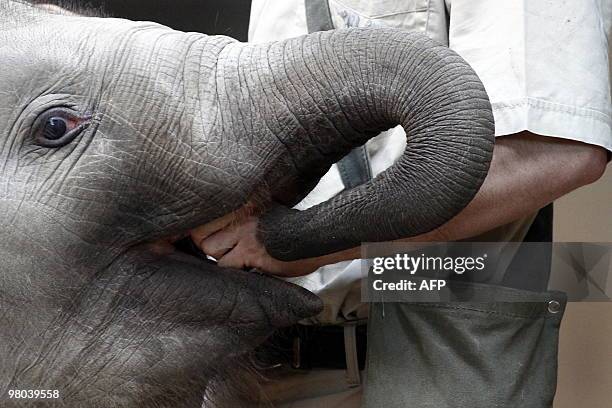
(182, 241)
(280, 303)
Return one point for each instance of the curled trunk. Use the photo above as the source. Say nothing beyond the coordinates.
(323, 94)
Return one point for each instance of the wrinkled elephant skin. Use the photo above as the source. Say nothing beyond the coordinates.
(118, 135)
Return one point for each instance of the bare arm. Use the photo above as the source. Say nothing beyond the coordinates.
(527, 172)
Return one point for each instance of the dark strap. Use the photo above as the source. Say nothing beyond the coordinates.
(531, 266)
(318, 16)
(354, 168)
(308, 347)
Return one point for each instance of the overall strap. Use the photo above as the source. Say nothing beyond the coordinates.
(354, 168)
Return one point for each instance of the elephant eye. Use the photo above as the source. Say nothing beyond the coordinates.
(58, 127)
(55, 128)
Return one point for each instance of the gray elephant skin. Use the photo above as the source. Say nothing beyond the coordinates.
(119, 137)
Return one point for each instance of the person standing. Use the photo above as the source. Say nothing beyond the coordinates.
(545, 66)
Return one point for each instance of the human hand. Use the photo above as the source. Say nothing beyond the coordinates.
(232, 240)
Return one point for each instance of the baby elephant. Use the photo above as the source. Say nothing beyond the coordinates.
(117, 138)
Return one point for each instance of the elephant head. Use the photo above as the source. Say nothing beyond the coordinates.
(118, 137)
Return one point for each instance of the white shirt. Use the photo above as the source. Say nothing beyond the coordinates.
(545, 65)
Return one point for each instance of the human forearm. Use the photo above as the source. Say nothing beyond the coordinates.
(527, 172)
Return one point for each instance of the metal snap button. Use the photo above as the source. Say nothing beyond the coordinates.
(554, 306)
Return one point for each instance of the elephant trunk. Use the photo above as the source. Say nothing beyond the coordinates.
(319, 96)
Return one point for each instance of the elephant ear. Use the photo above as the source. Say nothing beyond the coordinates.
(363, 81)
